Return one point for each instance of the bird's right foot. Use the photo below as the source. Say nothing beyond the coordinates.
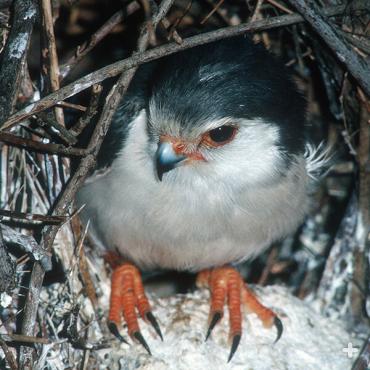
(127, 296)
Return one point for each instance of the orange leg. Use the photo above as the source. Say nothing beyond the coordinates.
(127, 296)
(226, 283)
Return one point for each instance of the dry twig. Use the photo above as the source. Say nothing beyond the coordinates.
(356, 65)
(62, 205)
(14, 55)
(153, 54)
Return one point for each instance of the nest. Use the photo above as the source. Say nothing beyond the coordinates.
(58, 60)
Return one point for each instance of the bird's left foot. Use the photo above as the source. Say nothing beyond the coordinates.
(226, 283)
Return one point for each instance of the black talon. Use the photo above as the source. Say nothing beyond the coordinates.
(234, 346)
(279, 327)
(150, 317)
(215, 319)
(114, 330)
(139, 337)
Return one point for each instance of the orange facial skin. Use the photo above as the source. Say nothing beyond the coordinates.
(190, 149)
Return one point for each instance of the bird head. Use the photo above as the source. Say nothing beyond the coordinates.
(226, 111)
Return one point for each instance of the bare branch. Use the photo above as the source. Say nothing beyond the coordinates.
(32, 218)
(41, 147)
(8, 355)
(14, 55)
(356, 65)
(49, 53)
(63, 203)
(98, 36)
(153, 54)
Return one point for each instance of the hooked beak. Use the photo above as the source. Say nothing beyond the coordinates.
(166, 158)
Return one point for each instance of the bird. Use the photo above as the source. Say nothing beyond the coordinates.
(204, 166)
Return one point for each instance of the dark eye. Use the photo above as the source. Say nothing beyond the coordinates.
(219, 136)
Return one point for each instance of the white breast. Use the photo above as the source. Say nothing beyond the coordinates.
(189, 226)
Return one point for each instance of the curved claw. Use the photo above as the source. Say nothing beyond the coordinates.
(279, 327)
(234, 346)
(215, 319)
(114, 330)
(153, 321)
(139, 337)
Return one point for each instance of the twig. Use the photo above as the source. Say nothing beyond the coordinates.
(65, 104)
(7, 268)
(257, 11)
(33, 217)
(362, 42)
(74, 335)
(84, 272)
(269, 263)
(356, 65)
(215, 8)
(360, 252)
(51, 54)
(145, 4)
(28, 244)
(98, 36)
(63, 203)
(363, 359)
(171, 29)
(280, 6)
(90, 112)
(8, 356)
(41, 147)
(23, 338)
(14, 54)
(153, 54)
(45, 119)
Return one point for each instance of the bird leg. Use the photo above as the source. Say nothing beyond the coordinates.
(127, 297)
(225, 283)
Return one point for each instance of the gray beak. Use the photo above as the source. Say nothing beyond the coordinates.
(166, 159)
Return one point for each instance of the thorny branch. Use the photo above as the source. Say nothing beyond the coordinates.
(14, 55)
(359, 67)
(21, 142)
(87, 163)
(156, 53)
(50, 55)
(32, 217)
(41, 252)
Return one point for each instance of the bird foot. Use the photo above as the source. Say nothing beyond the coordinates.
(226, 283)
(127, 296)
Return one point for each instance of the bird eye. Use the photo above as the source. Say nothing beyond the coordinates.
(219, 136)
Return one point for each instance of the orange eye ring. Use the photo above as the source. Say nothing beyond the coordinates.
(219, 136)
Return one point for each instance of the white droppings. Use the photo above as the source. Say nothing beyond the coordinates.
(310, 340)
(5, 300)
(18, 46)
(29, 108)
(30, 14)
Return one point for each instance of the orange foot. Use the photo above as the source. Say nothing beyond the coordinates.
(127, 295)
(226, 281)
